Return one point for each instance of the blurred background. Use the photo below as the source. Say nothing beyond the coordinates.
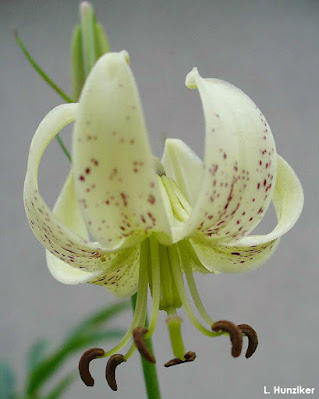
(270, 50)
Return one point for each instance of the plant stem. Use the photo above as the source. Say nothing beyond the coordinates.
(149, 369)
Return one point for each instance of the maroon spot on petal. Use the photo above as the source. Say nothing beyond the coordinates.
(87, 170)
(235, 253)
(82, 178)
(151, 199)
(124, 198)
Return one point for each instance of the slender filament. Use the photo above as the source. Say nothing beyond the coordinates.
(176, 270)
(140, 302)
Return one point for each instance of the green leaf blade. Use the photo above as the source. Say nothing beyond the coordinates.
(7, 381)
(36, 353)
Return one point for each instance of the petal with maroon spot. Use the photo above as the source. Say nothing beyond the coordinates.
(48, 229)
(67, 211)
(114, 178)
(240, 163)
(121, 277)
(252, 251)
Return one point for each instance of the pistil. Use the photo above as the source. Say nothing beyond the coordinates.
(174, 322)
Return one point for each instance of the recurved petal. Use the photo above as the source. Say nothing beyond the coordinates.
(288, 199)
(240, 163)
(184, 166)
(235, 259)
(67, 211)
(115, 182)
(121, 277)
(251, 252)
(48, 229)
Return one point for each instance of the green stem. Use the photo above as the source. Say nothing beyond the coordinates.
(149, 369)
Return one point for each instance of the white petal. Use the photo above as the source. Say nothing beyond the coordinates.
(252, 252)
(240, 162)
(67, 211)
(122, 277)
(236, 259)
(48, 229)
(184, 166)
(114, 179)
(288, 200)
(67, 274)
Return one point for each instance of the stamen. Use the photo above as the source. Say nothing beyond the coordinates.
(252, 339)
(195, 295)
(176, 270)
(188, 357)
(84, 365)
(138, 337)
(156, 284)
(111, 365)
(234, 333)
(140, 302)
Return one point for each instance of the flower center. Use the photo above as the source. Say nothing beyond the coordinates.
(161, 269)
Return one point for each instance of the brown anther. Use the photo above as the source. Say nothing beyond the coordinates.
(252, 339)
(234, 332)
(84, 365)
(188, 357)
(138, 337)
(111, 365)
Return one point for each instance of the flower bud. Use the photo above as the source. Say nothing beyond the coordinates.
(89, 43)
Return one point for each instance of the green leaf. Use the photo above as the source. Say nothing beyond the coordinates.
(85, 334)
(39, 70)
(36, 353)
(7, 381)
(62, 386)
(85, 340)
(102, 316)
(48, 366)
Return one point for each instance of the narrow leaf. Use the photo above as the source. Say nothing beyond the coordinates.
(39, 70)
(62, 386)
(84, 340)
(49, 366)
(7, 381)
(36, 353)
(102, 316)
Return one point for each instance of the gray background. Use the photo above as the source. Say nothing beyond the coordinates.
(267, 48)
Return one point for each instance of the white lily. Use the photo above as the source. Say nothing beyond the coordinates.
(151, 220)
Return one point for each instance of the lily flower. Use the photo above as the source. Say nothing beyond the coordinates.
(154, 222)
